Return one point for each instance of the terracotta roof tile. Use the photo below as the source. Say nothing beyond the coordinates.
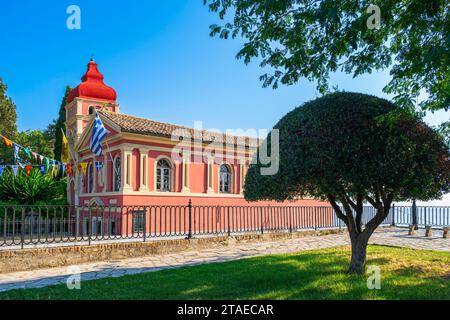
(148, 127)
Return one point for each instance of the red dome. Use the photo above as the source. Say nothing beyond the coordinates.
(93, 86)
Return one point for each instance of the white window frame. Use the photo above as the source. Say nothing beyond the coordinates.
(230, 182)
(171, 175)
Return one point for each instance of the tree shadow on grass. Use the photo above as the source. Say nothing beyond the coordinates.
(307, 275)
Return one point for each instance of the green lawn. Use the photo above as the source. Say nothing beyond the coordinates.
(320, 274)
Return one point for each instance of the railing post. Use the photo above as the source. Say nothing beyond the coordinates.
(190, 219)
(90, 226)
(145, 224)
(22, 229)
(261, 218)
(229, 228)
(77, 221)
(414, 215)
(393, 215)
(315, 218)
(290, 218)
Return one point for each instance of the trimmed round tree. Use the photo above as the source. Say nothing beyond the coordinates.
(351, 149)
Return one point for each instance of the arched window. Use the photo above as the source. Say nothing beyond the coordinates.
(117, 174)
(225, 179)
(90, 179)
(163, 176)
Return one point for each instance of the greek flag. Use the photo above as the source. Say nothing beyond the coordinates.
(98, 134)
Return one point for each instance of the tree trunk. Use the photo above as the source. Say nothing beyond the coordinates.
(359, 253)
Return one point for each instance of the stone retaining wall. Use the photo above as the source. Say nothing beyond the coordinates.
(31, 259)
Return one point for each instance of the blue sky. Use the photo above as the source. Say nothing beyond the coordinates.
(158, 56)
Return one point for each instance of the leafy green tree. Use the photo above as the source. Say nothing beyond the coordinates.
(312, 38)
(33, 189)
(38, 141)
(8, 119)
(60, 124)
(349, 149)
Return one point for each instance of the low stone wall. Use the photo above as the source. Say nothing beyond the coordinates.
(31, 259)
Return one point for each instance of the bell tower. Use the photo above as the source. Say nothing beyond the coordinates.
(91, 94)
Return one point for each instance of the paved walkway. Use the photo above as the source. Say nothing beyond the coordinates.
(91, 271)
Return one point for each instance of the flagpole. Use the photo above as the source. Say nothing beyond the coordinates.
(111, 158)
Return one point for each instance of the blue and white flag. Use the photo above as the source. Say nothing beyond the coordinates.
(99, 165)
(99, 133)
(2, 170)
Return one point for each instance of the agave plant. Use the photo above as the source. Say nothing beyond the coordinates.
(33, 189)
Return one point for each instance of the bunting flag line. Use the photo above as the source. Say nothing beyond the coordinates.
(23, 163)
(27, 152)
(28, 169)
(16, 152)
(7, 142)
(69, 169)
(84, 166)
(55, 169)
(50, 166)
(15, 169)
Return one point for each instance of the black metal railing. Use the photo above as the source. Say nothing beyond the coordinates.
(22, 226)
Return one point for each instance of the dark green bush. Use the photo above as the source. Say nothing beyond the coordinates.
(36, 189)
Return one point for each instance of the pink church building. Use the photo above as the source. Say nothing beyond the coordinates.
(143, 161)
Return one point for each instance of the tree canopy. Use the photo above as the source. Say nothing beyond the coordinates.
(351, 148)
(8, 119)
(348, 144)
(39, 141)
(310, 39)
(60, 124)
(8, 116)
